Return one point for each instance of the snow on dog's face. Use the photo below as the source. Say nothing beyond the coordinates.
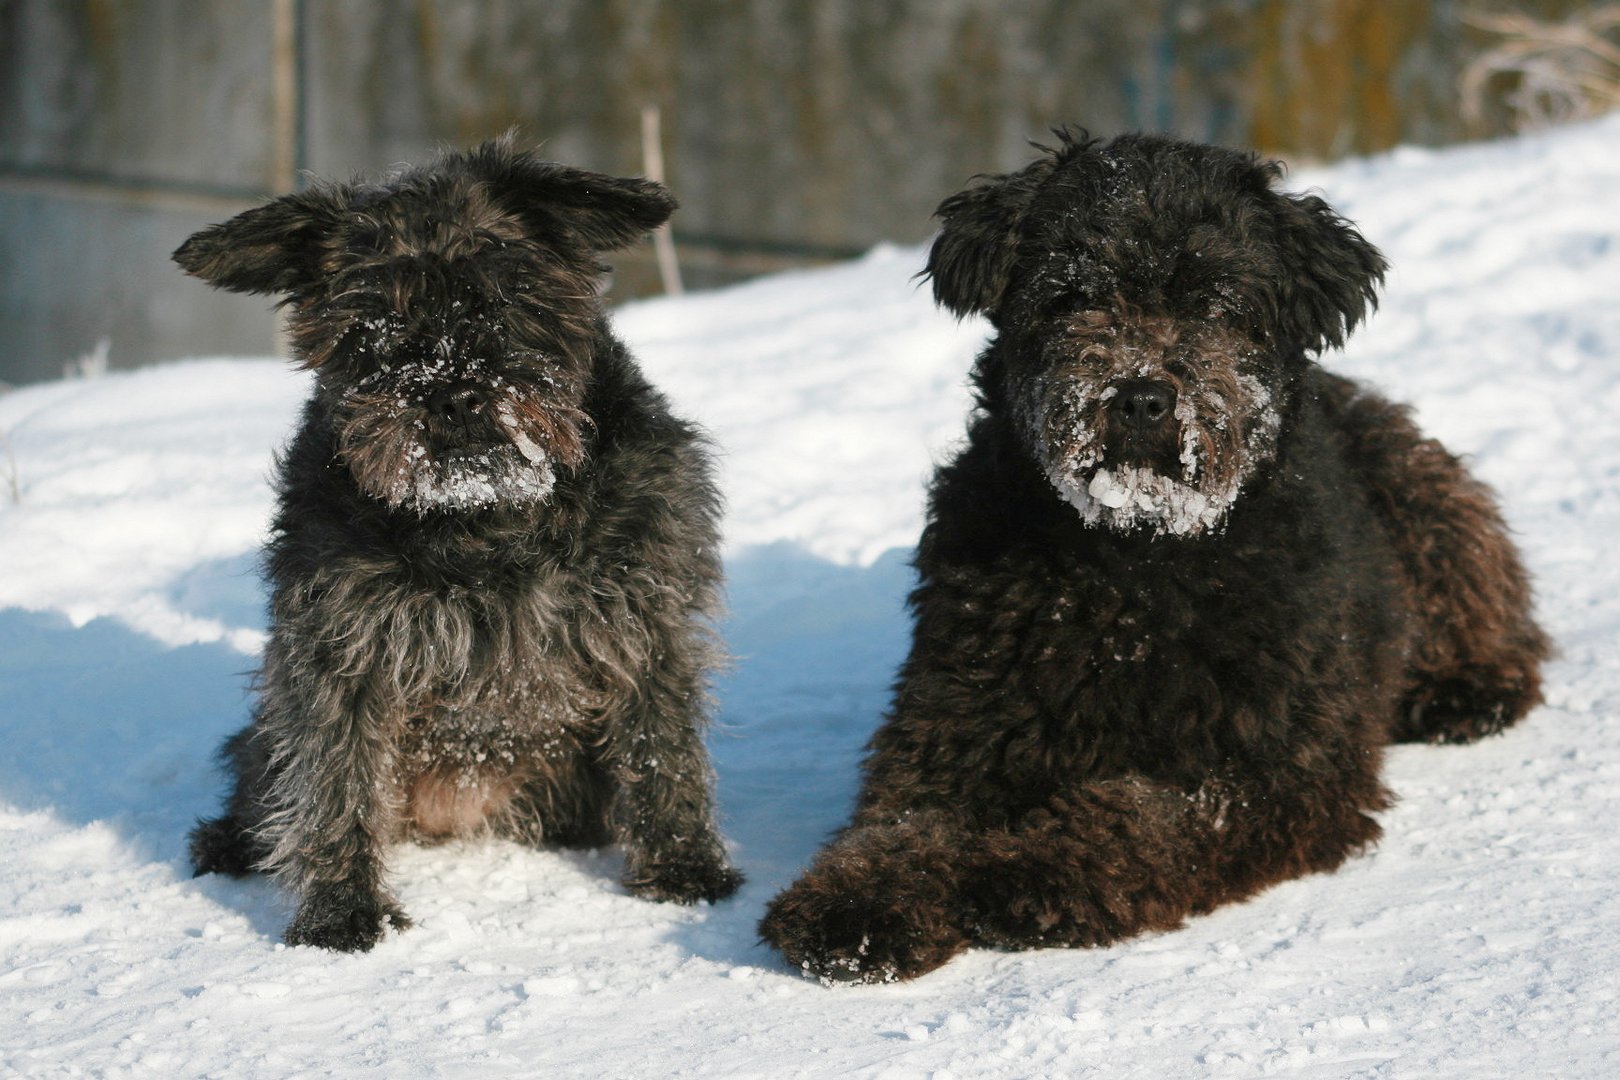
(1140, 422)
(449, 412)
(449, 314)
(451, 371)
(1154, 302)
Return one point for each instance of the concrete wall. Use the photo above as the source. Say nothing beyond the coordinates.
(124, 127)
(795, 130)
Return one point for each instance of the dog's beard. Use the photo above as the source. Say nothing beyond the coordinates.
(1129, 497)
(1219, 437)
(475, 480)
(399, 455)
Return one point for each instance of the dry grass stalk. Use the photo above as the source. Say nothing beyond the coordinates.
(1544, 72)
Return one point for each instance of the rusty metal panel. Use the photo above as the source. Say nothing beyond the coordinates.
(793, 130)
(821, 127)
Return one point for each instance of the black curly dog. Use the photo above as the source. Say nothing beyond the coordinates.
(1178, 591)
(494, 551)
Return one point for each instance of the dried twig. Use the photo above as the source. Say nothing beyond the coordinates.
(90, 365)
(1545, 72)
(652, 155)
(9, 471)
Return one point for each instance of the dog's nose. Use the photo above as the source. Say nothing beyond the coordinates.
(457, 404)
(1143, 403)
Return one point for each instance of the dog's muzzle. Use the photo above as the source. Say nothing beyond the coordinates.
(1138, 426)
(457, 406)
(1143, 405)
(462, 419)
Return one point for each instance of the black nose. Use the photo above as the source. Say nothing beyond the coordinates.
(457, 404)
(1143, 403)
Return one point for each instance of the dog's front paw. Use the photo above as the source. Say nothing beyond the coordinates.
(684, 880)
(840, 936)
(221, 846)
(1464, 711)
(344, 918)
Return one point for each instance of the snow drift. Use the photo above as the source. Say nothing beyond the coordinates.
(1480, 938)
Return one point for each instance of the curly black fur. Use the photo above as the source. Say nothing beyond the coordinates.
(495, 549)
(1177, 592)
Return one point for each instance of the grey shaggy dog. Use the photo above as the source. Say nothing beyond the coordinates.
(494, 552)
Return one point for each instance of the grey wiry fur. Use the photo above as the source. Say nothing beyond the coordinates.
(494, 549)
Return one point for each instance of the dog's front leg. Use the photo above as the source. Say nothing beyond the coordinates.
(332, 755)
(901, 892)
(663, 809)
(880, 903)
(1110, 859)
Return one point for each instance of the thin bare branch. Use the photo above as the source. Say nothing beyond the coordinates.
(1544, 72)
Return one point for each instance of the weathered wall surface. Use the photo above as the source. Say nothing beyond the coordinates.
(125, 126)
(793, 129)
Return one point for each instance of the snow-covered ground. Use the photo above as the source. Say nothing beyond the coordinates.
(1481, 939)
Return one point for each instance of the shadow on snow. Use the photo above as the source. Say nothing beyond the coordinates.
(103, 723)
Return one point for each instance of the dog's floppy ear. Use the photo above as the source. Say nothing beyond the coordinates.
(600, 212)
(972, 259)
(274, 248)
(1332, 273)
